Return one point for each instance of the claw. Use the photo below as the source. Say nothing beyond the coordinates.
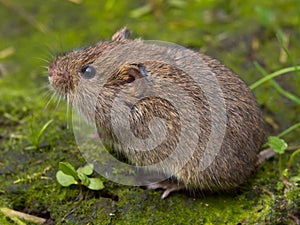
(168, 186)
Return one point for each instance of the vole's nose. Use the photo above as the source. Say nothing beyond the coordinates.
(56, 74)
(51, 72)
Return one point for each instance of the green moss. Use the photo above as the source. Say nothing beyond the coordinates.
(230, 31)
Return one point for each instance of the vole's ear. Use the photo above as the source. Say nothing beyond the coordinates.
(122, 34)
(128, 74)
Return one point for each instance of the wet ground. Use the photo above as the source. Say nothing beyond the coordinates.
(238, 33)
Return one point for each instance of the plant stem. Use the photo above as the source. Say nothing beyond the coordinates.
(280, 165)
(290, 162)
(272, 75)
(284, 92)
(288, 130)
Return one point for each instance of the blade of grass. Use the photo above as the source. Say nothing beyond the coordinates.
(285, 93)
(291, 160)
(288, 130)
(43, 130)
(277, 86)
(272, 75)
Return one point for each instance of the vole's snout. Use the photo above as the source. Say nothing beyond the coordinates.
(51, 73)
(60, 79)
(55, 74)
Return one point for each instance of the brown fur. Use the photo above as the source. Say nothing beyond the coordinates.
(244, 131)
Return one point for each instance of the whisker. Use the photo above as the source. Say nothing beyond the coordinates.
(56, 98)
(52, 51)
(46, 94)
(68, 108)
(44, 91)
(49, 52)
(42, 59)
(44, 88)
(44, 67)
(52, 97)
(45, 74)
(58, 102)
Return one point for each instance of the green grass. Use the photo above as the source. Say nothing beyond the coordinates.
(238, 33)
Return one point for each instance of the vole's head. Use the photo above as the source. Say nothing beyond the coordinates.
(68, 69)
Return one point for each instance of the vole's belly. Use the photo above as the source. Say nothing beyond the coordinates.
(225, 172)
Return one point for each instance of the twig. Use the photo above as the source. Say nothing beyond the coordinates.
(13, 214)
(268, 153)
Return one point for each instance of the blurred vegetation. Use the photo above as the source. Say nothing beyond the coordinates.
(254, 38)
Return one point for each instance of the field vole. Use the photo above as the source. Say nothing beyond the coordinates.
(244, 128)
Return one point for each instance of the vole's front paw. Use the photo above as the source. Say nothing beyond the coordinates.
(167, 185)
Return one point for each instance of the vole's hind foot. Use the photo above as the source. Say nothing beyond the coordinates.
(264, 155)
(168, 186)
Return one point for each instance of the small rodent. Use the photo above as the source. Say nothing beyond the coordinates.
(244, 134)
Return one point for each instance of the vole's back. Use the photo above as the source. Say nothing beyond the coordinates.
(232, 164)
(244, 133)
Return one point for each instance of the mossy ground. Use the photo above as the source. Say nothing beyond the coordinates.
(236, 32)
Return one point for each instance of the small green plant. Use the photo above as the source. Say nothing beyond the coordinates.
(280, 146)
(35, 137)
(276, 142)
(67, 175)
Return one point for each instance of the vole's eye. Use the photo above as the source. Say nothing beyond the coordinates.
(88, 72)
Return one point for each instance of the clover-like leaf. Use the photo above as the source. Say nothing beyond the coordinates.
(87, 169)
(95, 184)
(68, 169)
(64, 179)
(84, 179)
(277, 144)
